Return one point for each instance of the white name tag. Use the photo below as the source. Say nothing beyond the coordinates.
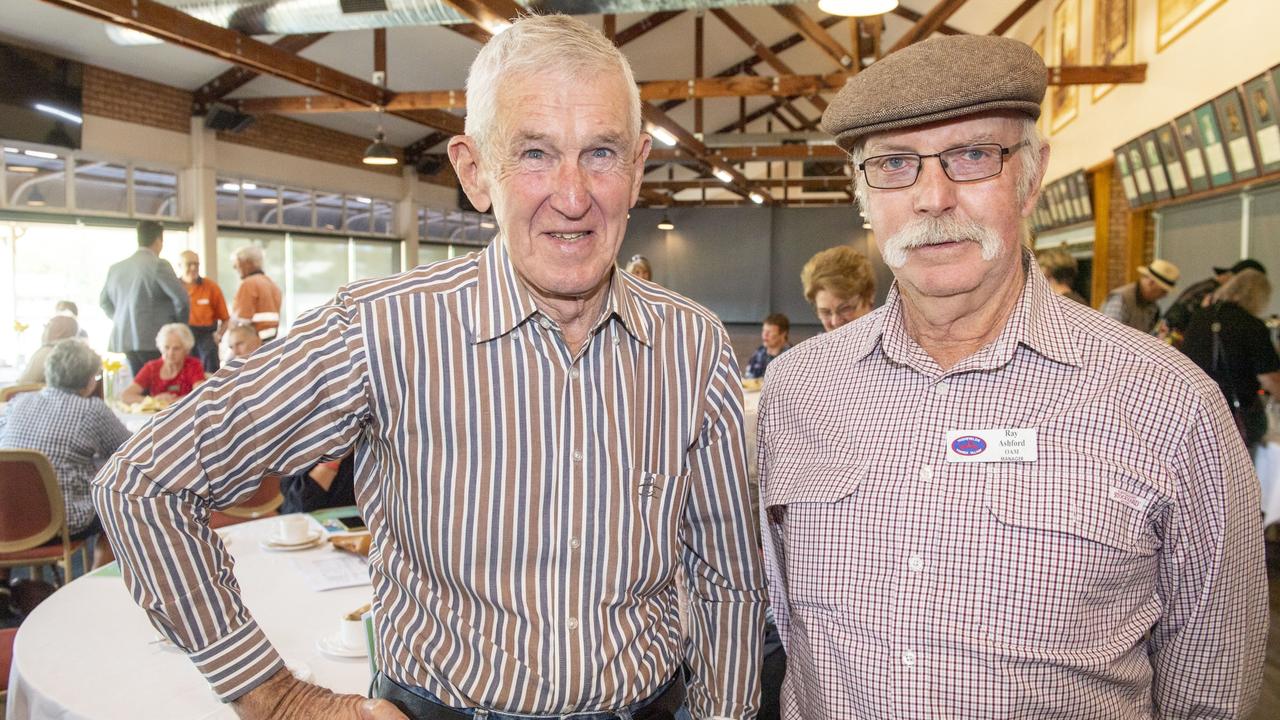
(202, 301)
(994, 445)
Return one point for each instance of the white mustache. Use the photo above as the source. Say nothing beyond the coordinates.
(936, 230)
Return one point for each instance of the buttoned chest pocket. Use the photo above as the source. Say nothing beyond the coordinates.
(1071, 553)
(816, 510)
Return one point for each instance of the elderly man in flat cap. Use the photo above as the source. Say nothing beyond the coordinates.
(984, 500)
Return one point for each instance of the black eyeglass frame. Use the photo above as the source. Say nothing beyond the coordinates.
(1005, 152)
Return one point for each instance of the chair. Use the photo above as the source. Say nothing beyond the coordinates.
(8, 393)
(6, 661)
(32, 513)
(264, 502)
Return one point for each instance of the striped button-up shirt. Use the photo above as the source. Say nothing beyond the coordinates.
(1119, 575)
(529, 505)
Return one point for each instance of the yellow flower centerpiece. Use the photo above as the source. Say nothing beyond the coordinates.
(112, 364)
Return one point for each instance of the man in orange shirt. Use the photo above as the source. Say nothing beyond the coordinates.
(257, 300)
(209, 318)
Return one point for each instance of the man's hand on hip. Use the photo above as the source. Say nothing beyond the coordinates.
(284, 697)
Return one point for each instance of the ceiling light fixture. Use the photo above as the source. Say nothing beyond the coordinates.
(36, 198)
(231, 187)
(665, 223)
(22, 169)
(15, 151)
(249, 186)
(56, 112)
(856, 8)
(756, 198)
(41, 154)
(663, 136)
(723, 175)
(379, 153)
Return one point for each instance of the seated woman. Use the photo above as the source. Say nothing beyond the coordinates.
(839, 285)
(76, 431)
(174, 374)
(639, 266)
(775, 336)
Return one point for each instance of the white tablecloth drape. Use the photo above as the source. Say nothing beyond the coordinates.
(89, 651)
(1266, 459)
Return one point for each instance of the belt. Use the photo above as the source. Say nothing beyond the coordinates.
(662, 705)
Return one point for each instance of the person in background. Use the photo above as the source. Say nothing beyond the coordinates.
(1178, 317)
(639, 266)
(70, 309)
(327, 484)
(839, 285)
(257, 300)
(209, 316)
(141, 294)
(541, 440)
(1135, 304)
(981, 501)
(59, 327)
(1229, 341)
(1060, 268)
(174, 375)
(242, 340)
(75, 430)
(775, 336)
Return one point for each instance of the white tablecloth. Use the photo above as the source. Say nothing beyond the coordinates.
(88, 651)
(1266, 458)
(133, 422)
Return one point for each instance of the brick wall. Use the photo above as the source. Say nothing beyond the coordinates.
(130, 99)
(1117, 239)
(294, 137)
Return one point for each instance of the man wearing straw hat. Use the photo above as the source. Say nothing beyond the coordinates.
(984, 500)
(1135, 304)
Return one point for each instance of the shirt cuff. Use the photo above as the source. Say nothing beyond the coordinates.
(238, 662)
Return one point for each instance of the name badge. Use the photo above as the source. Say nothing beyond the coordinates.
(994, 445)
(202, 301)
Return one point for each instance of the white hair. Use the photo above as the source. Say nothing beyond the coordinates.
(251, 254)
(181, 330)
(536, 45)
(1028, 161)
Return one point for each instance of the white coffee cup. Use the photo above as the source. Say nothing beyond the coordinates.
(293, 529)
(351, 633)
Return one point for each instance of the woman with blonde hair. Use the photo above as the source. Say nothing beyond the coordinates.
(839, 285)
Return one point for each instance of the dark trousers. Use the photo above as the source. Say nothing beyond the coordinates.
(138, 358)
(206, 347)
(418, 704)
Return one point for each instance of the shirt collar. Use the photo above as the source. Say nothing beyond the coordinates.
(1038, 323)
(503, 301)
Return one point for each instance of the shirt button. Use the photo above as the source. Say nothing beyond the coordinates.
(573, 623)
(908, 658)
(942, 387)
(916, 563)
(577, 456)
(574, 373)
(926, 473)
(573, 543)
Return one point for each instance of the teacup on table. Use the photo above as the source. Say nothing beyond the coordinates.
(293, 529)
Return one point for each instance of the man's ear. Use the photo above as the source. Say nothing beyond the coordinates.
(642, 154)
(465, 157)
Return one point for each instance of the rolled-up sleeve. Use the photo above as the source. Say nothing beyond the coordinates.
(721, 559)
(290, 403)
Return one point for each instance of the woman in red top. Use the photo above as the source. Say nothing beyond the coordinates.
(174, 374)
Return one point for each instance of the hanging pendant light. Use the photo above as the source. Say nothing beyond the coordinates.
(665, 223)
(856, 8)
(379, 153)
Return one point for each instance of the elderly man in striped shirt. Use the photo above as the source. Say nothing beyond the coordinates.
(540, 442)
(984, 500)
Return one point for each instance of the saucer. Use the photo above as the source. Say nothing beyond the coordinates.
(333, 646)
(314, 538)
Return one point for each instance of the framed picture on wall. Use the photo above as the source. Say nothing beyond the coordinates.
(1085, 190)
(1112, 37)
(1188, 137)
(1155, 166)
(1069, 199)
(1126, 176)
(1260, 106)
(1175, 17)
(1166, 138)
(1215, 151)
(1055, 204)
(1064, 100)
(1140, 177)
(1236, 135)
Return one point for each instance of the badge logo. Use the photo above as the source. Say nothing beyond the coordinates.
(969, 445)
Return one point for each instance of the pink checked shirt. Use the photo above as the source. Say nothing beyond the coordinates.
(1120, 575)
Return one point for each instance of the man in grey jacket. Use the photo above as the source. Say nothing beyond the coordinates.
(142, 293)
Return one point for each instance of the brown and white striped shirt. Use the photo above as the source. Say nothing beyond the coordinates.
(529, 506)
(1119, 576)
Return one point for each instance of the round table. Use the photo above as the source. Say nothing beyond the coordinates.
(89, 651)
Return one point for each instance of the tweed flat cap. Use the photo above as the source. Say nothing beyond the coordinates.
(937, 79)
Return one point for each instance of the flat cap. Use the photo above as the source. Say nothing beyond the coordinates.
(937, 79)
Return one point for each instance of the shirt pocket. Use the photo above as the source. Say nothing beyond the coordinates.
(659, 500)
(813, 508)
(1071, 554)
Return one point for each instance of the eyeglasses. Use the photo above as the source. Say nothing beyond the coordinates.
(842, 311)
(962, 164)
